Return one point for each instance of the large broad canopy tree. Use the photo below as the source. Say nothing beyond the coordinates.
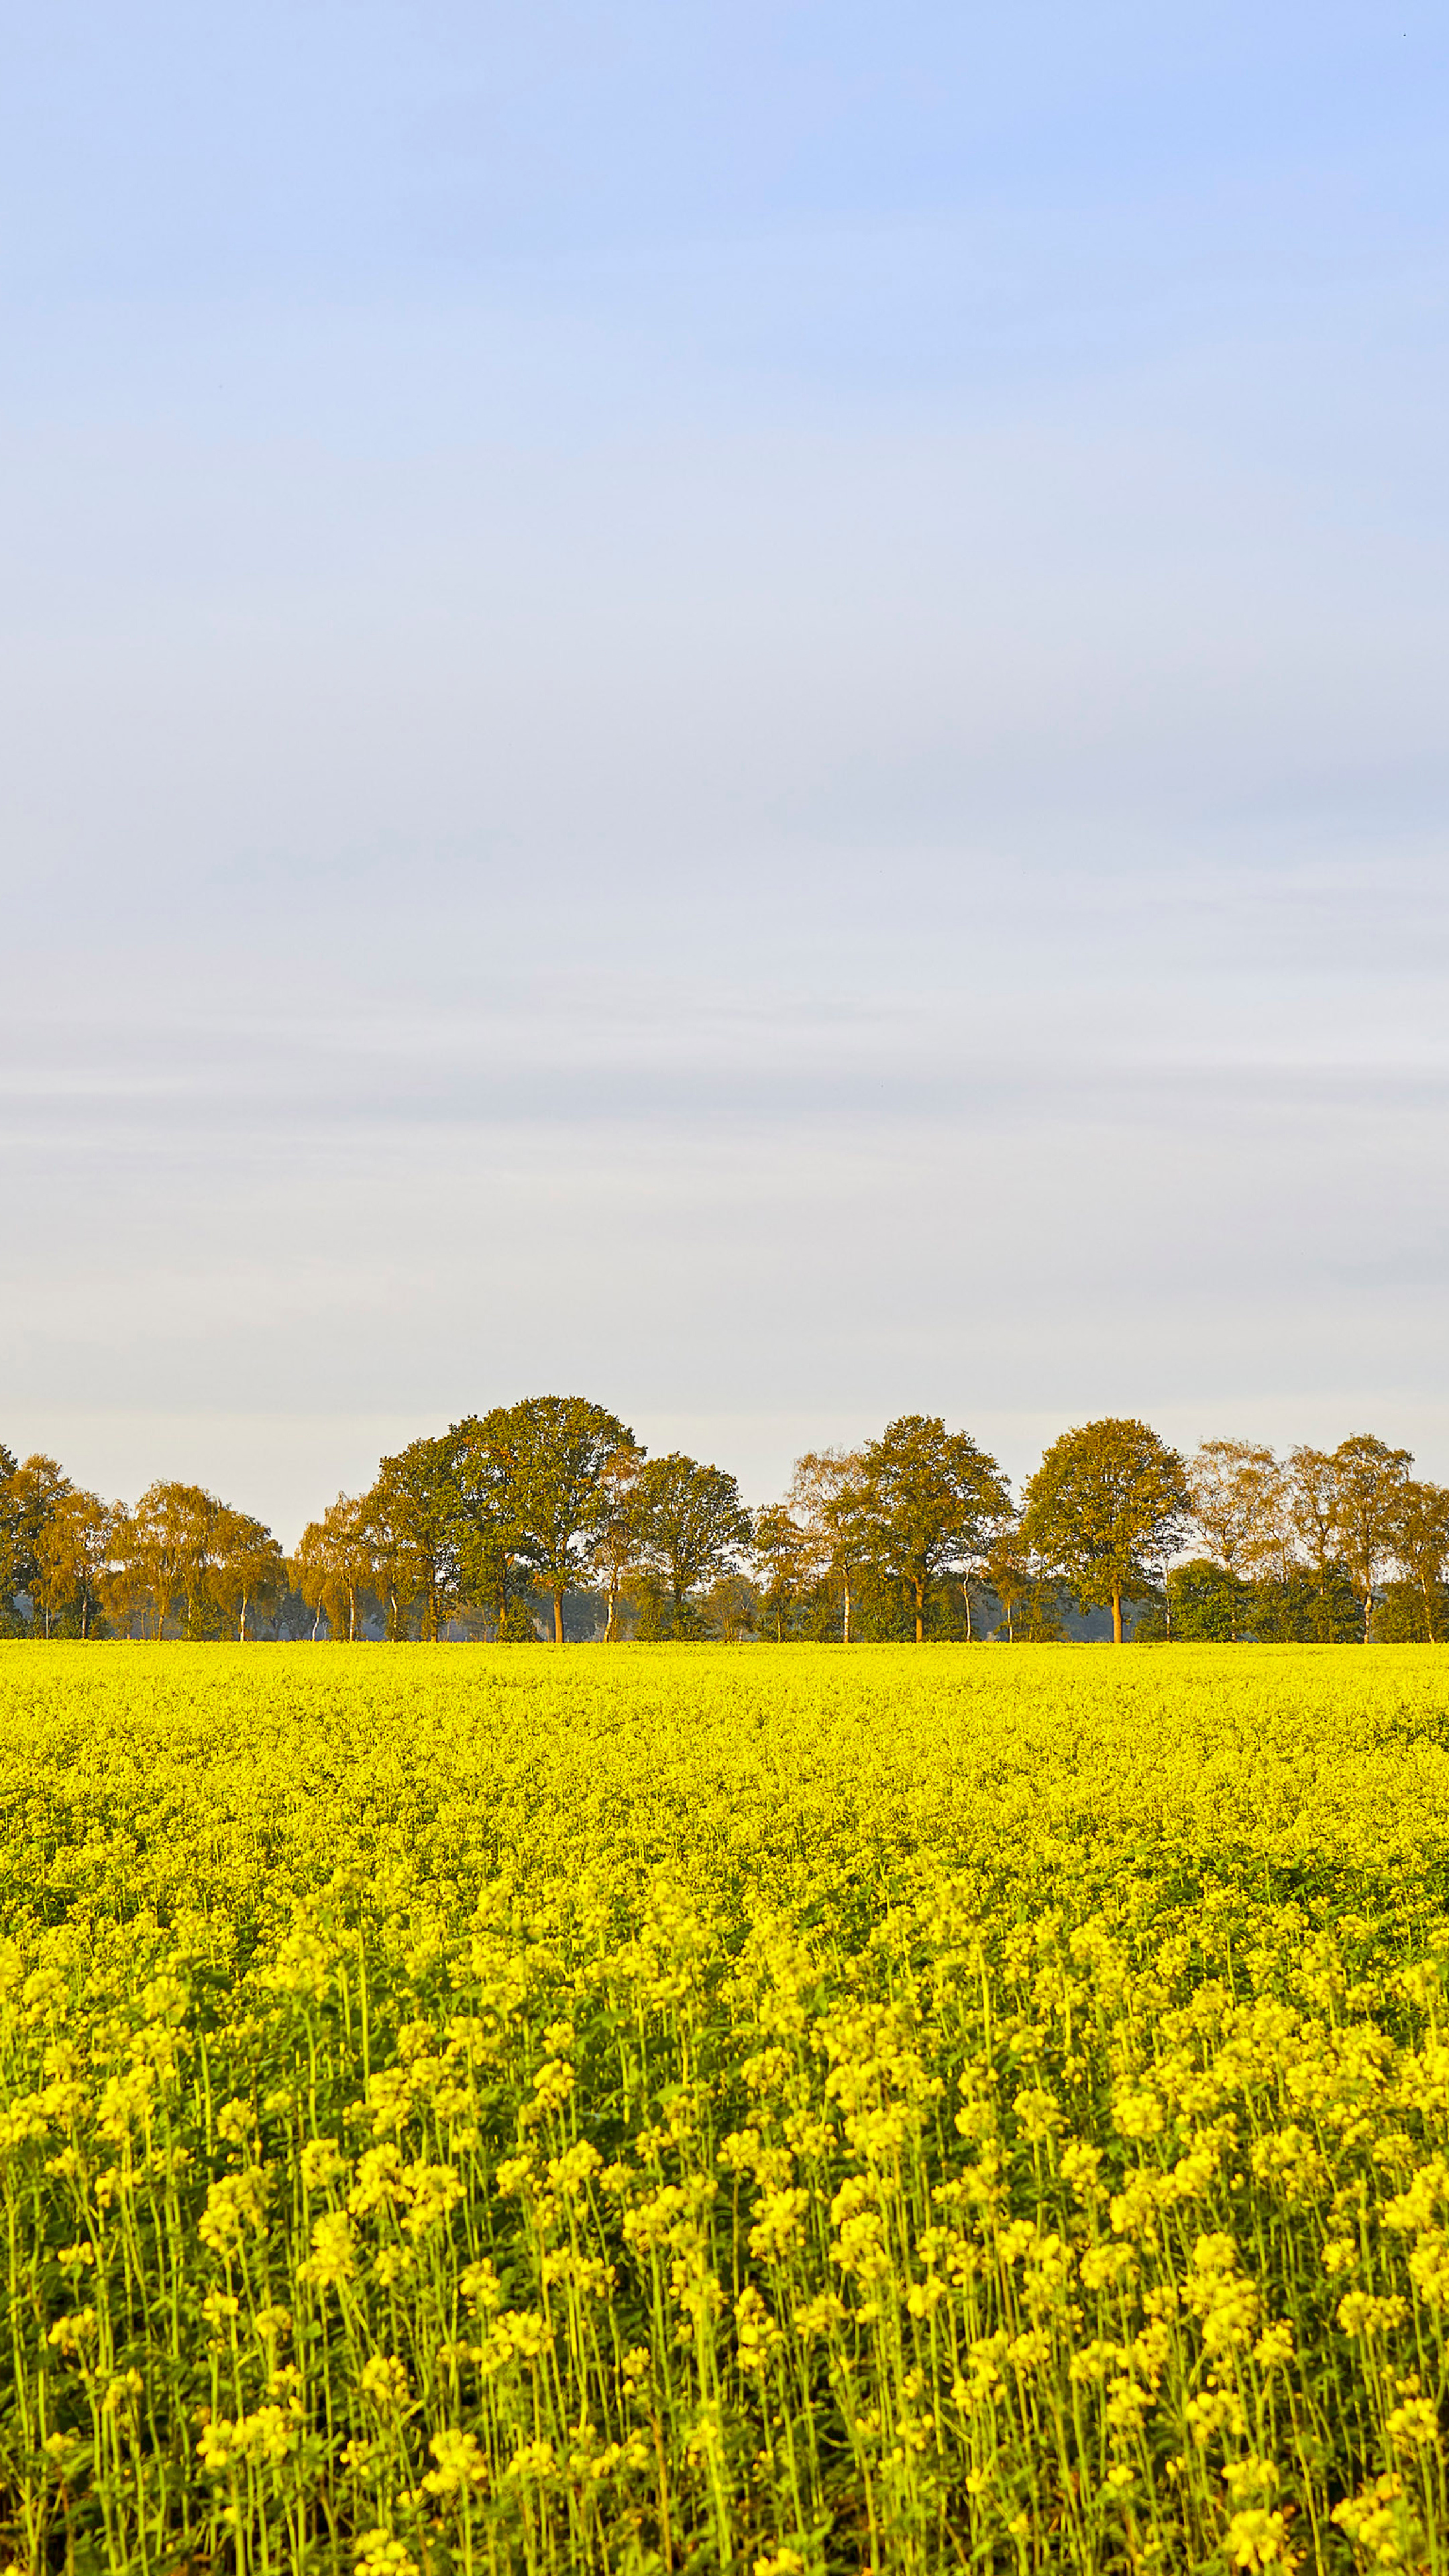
(558, 1498)
(412, 1522)
(533, 1493)
(931, 1502)
(1105, 1510)
(691, 1524)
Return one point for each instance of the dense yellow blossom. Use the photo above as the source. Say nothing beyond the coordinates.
(794, 2110)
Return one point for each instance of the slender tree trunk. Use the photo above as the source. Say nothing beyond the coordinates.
(966, 1597)
(241, 1634)
(846, 1578)
(613, 1612)
(1116, 1614)
(558, 1634)
(352, 1614)
(1368, 1618)
(920, 1613)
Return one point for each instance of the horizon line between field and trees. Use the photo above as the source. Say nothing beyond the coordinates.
(548, 1517)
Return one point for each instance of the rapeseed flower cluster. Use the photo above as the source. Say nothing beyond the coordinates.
(785, 2113)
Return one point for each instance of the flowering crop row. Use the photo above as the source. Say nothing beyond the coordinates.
(684, 2110)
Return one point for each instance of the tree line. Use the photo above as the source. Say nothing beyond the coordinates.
(547, 1518)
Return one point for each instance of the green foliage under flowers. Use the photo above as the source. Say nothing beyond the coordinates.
(715, 2109)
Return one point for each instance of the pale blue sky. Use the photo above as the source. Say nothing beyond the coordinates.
(740, 708)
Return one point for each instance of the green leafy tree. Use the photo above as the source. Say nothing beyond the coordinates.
(732, 1609)
(1368, 1482)
(1106, 1509)
(1206, 1602)
(1301, 1607)
(781, 1550)
(33, 1493)
(692, 1529)
(1402, 1617)
(1028, 1595)
(827, 1500)
(931, 1503)
(614, 1540)
(560, 1448)
(1421, 1547)
(1313, 1514)
(164, 1547)
(119, 1579)
(71, 1555)
(1239, 1502)
(486, 1455)
(1039, 1621)
(649, 1599)
(412, 1519)
(1237, 1489)
(248, 1569)
(335, 1565)
(12, 1579)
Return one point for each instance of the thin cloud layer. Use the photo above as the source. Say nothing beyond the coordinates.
(742, 709)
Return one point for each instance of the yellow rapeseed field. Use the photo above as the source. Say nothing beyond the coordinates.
(723, 2109)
